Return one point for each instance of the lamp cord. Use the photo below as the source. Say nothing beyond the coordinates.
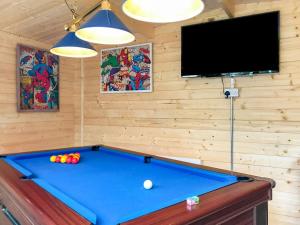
(222, 79)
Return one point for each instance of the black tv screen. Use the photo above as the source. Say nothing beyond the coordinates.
(240, 46)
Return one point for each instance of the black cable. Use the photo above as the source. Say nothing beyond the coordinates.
(222, 79)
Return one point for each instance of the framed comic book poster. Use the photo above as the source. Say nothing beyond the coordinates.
(126, 69)
(37, 80)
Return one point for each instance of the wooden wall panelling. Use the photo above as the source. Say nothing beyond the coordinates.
(189, 117)
(33, 131)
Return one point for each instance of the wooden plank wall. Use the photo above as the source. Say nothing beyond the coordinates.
(189, 117)
(21, 132)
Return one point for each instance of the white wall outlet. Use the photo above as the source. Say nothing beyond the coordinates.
(231, 92)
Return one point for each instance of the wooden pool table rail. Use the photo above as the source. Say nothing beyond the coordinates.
(240, 203)
(32, 205)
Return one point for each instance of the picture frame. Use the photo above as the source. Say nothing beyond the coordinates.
(126, 69)
(37, 80)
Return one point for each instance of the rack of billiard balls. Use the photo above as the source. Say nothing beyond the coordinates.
(72, 158)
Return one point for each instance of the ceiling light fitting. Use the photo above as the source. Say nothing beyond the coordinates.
(70, 45)
(103, 28)
(162, 11)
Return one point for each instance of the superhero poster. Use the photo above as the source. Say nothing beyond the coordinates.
(37, 80)
(126, 69)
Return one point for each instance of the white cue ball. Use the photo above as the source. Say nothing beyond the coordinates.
(148, 184)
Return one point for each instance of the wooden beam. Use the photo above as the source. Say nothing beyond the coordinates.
(229, 7)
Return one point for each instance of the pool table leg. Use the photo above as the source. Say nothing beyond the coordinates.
(261, 214)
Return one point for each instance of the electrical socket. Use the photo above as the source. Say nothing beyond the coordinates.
(234, 92)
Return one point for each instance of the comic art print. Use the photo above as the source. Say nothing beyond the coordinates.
(37, 80)
(126, 69)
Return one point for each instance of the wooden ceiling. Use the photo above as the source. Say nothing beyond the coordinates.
(44, 20)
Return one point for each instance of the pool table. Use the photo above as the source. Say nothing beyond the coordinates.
(106, 188)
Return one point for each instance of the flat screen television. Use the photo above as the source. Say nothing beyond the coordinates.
(233, 47)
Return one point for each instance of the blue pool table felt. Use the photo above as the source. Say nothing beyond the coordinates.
(106, 187)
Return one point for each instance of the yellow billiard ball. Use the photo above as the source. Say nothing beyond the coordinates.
(52, 158)
(63, 159)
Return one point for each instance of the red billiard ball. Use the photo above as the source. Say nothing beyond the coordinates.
(57, 159)
(75, 160)
(69, 159)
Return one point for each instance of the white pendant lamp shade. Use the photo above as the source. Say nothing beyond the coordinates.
(162, 11)
(105, 28)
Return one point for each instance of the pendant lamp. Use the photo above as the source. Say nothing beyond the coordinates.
(162, 11)
(105, 28)
(72, 46)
